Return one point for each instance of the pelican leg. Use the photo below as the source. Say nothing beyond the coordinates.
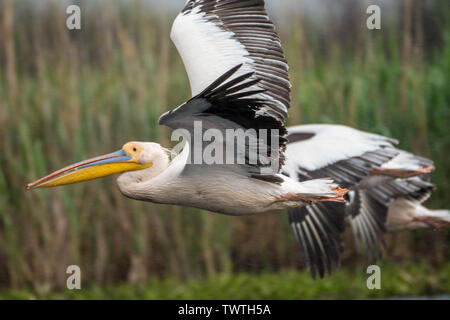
(433, 222)
(399, 173)
(306, 198)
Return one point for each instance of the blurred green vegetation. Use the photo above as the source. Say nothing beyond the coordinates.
(70, 95)
(396, 281)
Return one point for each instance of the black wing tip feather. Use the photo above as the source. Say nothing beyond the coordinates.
(225, 93)
(221, 80)
(217, 89)
(415, 188)
(221, 89)
(318, 229)
(299, 136)
(367, 217)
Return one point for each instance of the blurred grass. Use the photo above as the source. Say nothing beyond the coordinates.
(398, 281)
(70, 95)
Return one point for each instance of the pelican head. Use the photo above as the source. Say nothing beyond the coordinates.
(135, 159)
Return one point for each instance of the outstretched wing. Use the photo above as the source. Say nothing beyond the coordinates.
(256, 141)
(213, 36)
(238, 76)
(347, 156)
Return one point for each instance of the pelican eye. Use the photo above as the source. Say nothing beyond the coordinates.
(134, 149)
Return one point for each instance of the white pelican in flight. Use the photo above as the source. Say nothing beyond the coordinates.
(239, 81)
(387, 189)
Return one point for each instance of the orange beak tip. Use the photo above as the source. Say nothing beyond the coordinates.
(29, 186)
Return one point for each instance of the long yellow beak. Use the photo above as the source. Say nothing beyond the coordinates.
(103, 166)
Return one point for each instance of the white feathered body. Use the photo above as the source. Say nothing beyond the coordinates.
(214, 188)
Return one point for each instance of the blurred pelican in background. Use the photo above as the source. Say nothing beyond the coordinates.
(386, 192)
